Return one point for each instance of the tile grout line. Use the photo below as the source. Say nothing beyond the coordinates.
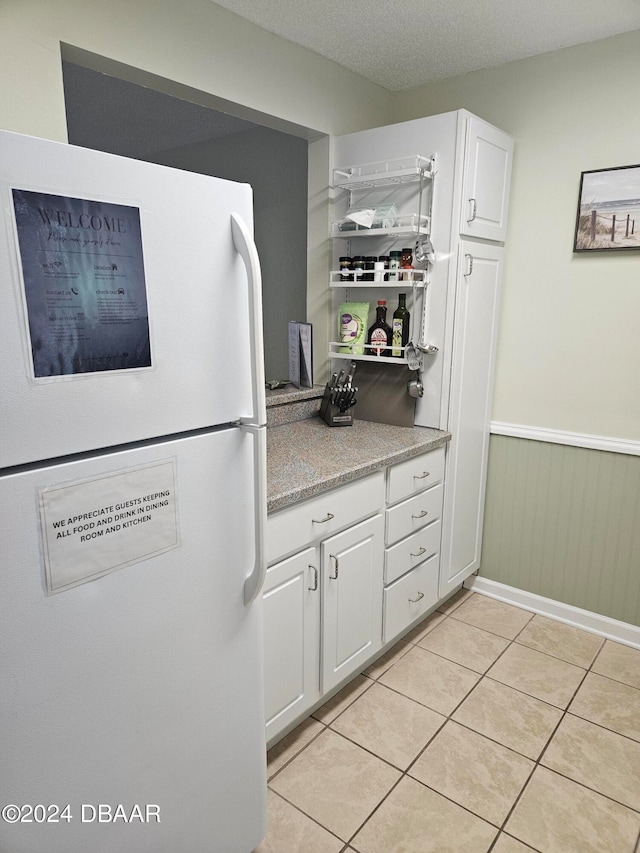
(449, 718)
(404, 773)
(310, 817)
(538, 761)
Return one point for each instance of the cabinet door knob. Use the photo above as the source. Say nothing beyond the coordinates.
(420, 514)
(335, 560)
(329, 516)
(315, 579)
(422, 476)
(420, 595)
(421, 551)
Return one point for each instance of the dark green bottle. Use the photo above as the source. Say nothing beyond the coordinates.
(400, 327)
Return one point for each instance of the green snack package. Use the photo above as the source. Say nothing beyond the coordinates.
(352, 326)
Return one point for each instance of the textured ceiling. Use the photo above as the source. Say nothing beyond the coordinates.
(410, 42)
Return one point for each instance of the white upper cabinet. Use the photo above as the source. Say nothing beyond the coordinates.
(485, 183)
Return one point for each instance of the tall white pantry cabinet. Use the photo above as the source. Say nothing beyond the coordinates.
(463, 205)
(334, 597)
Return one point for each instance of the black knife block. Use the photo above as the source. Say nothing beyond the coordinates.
(332, 415)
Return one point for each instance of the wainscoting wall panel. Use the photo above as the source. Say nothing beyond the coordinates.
(564, 522)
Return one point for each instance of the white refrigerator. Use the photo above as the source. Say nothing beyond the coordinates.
(133, 502)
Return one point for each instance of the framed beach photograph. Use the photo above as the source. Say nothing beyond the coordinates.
(608, 217)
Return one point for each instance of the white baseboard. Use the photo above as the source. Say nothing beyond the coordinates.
(574, 439)
(612, 629)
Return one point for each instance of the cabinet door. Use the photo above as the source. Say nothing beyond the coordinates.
(479, 270)
(486, 180)
(291, 598)
(352, 569)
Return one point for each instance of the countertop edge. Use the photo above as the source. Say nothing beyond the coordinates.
(387, 456)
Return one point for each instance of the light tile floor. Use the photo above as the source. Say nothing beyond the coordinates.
(486, 729)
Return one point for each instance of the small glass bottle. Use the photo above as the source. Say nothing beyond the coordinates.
(400, 327)
(380, 332)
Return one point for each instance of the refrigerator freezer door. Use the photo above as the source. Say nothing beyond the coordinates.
(185, 263)
(143, 687)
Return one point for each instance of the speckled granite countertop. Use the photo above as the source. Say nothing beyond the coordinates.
(307, 457)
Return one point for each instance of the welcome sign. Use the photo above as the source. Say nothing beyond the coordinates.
(83, 283)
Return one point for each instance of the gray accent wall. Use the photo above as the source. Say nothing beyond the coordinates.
(114, 115)
(563, 522)
(275, 164)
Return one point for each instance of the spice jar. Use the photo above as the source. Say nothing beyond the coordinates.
(406, 263)
(369, 266)
(346, 267)
(357, 265)
(394, 263)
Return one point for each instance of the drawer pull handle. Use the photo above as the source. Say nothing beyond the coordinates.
(315, 579)
(420, 552)
(420, 514)
(330, 515)
(420, 595)
(335, 559)
(422, 476)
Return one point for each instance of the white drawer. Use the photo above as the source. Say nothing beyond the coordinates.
(414, 475)
(410, 597)
(406, 555)
(294, 527)
(413, 514)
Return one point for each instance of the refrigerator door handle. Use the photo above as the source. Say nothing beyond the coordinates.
(245, 246)
(254, 583)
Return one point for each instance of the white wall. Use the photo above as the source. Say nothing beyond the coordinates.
(194, 42)
(191, 49)
(569, 344)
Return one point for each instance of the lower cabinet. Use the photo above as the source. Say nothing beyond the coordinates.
(365, 569)
(323, 619)
(291, 596)
(412, 538)
(408, 598)
(352, 567)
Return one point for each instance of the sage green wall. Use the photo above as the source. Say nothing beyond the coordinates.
(561, 521)
(568, 347)
(564, 522)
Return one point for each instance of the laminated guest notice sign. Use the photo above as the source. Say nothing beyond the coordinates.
(93, 527)
(84, 284)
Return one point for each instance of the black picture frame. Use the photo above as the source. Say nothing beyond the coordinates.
(608, 215)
